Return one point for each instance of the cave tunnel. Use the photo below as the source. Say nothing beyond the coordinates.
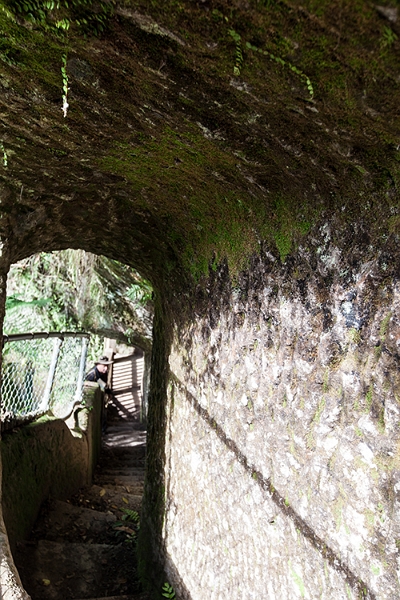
(244, 158)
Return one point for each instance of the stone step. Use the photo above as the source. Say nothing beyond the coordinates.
(64, 522)
(142, 596)
(54, 571)
(131, 450)
(126, 480)
(123, 441)
(126, 425)
(124, 460)
(110, 498)
(118, 468)
(127, 471)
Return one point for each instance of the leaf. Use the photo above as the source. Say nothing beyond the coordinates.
(125, 528)
(125, 500)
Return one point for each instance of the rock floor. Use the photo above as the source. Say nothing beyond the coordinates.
(84, 548)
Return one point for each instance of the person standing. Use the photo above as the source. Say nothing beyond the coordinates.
(99, 373)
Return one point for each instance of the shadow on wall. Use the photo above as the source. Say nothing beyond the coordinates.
(266, 485)
(173, 575)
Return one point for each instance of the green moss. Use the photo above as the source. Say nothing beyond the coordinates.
(205, 219)
(354, 335)
(287, 224)
(283, 243)
(319, 411)
(368, 397)
(36, 54)
(59, 15)
(384, 326)
(325, 385)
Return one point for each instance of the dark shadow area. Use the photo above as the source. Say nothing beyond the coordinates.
(85, 547)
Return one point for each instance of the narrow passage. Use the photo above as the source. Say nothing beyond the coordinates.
(84, 548)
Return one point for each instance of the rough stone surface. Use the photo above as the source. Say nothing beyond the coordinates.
(283, 437)
(10, 583)
(85, 547)
(46, 458)
(243, 156)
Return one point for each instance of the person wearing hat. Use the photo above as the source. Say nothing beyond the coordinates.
(99, 373)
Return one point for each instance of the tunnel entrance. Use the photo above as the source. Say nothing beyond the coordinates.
(100, 522)
(244, 158)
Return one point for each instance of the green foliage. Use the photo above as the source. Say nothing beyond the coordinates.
(319, 411)
(65, 84)
(368, 397)
(354, 335)
(128, 526)
(239, 54)
(384, 326)
(89, 16)
(388, 38)
(5, 157)
(200, 232)
(285, 226)
(168, 591)
(287, 64)
(283, 243)
(131, 516)
(76, 290)
(140, 292)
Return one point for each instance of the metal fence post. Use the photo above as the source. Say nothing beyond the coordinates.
(82, 365)
(50, 378)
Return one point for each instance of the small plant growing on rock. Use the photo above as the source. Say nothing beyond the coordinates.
(239, 54)
(128, 526)
(168, 591)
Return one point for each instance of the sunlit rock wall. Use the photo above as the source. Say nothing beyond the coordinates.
(283, 456)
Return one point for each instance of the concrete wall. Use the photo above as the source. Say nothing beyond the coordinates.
(282, 473)
(48, 458)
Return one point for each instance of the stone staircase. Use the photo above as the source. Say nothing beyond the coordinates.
(84, 548)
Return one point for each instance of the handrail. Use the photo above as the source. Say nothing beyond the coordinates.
(43, 335)
(42, 371)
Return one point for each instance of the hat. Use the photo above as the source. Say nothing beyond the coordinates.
(104, 360)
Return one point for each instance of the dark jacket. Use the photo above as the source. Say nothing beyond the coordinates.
(95, 375)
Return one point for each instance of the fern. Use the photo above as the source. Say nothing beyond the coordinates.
(89, 16)
(65, 84)
(130, 515)
(168, 591)
(284, 63)
(239, 54)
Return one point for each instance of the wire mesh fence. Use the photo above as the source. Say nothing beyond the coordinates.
(41, 372)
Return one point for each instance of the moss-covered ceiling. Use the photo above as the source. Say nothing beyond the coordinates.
(195, 129)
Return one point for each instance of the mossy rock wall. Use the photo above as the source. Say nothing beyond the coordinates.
(46, 459)
(244, 157)
(282, 445)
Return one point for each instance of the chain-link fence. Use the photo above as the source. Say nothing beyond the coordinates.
(41, 372)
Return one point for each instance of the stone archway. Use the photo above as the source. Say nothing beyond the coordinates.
(245, 160)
